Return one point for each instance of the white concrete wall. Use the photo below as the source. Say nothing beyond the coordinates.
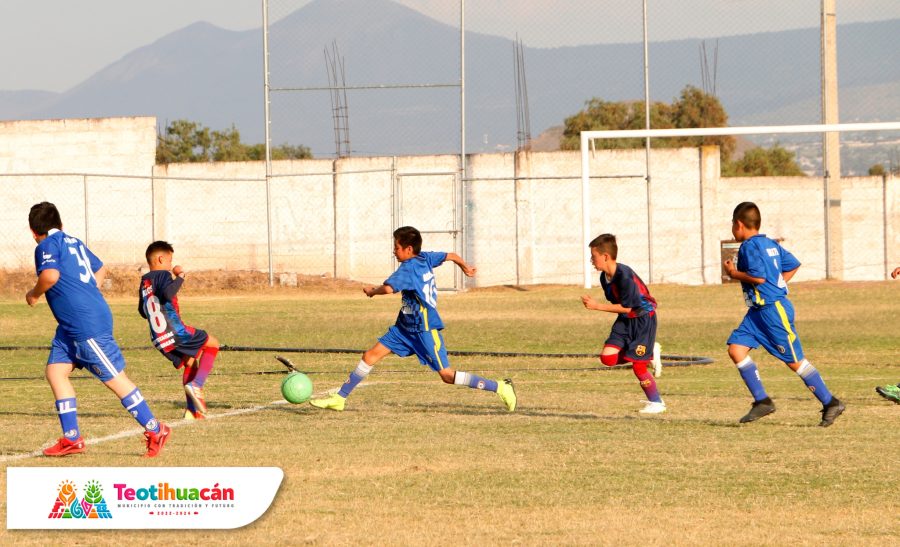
(791, 209)
(492, 225)
(335, 218)
(863, 215)
(124, 147)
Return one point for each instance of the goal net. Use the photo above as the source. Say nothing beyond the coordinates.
(842, 227)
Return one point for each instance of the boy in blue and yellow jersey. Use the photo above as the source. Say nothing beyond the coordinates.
(418, 326)
(189, 349)
(633, 334)
(764, 268)
(70, 274)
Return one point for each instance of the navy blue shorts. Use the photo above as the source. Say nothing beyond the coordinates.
(100, 355)
(186, 347)
(634, 337)
(773, 328)
(428, 346)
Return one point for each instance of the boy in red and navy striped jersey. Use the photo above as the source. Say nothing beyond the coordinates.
(633, 335)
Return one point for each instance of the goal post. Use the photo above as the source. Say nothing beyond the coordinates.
(587, 138)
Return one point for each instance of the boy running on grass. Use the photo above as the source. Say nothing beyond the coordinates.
(633, 334)
(418, 327)
(70, 274)
(189, 349)
(764, 268)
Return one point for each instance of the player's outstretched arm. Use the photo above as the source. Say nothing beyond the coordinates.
(381, 289)
(45, 281)
(466, 269)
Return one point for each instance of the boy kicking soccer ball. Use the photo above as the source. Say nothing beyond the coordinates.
(70, 274)
(418, 327)
(634, 331)
(189, 349)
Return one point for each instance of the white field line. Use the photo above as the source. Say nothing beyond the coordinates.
(133, 432)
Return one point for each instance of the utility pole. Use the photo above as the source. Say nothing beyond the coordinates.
(831, 144)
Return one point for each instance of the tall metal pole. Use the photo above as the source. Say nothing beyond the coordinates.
(831, 144)
(647, 150)
(265, 8)
(462, 244)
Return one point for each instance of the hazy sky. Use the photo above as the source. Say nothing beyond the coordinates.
(56, 44)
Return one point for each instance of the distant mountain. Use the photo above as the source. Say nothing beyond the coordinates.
(16, 104)
(214, 76)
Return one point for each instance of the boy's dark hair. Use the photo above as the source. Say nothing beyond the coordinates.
(43, 217)
(158, 247)
(748, 213)
(605, 243)
(407, 236)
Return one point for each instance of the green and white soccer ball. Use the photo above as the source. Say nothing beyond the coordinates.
(296, 388)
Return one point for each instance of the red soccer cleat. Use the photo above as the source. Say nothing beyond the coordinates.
(64, 447)
(156, 441)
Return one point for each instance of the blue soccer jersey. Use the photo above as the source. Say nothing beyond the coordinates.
(415, 280)
(764, 258)
(627, 289)
(75, 300)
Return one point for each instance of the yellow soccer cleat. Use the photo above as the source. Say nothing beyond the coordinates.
(507, 394)
(332, 402)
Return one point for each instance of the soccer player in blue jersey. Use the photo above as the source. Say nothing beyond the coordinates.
(69, 274)
(191, 350)
(633, 334)
(764, 268)
(418, 326)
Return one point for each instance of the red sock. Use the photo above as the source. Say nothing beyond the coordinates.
(206, 364)
(648, 384)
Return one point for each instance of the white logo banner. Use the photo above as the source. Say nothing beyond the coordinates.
(93, 498)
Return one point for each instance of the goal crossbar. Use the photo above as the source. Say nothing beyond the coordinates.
(588, 136)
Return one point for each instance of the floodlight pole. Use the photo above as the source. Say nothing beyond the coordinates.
(265, 15)
(831, 144)
(647, 149)
(462, 243)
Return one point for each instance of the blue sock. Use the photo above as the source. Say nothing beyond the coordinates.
(813, 380)
(358, 375)
(68, 418)
(474, 381)
(750, 374)
(135, 404)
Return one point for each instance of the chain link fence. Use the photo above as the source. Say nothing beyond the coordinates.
(388, 144)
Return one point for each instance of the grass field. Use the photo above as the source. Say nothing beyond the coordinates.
(413, 461)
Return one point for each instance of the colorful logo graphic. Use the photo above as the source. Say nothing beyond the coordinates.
(68, 506)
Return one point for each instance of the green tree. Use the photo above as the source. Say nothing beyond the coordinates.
(184, 141)
(227, 146)
(693, 108)
(877, 170)
(764, 162)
